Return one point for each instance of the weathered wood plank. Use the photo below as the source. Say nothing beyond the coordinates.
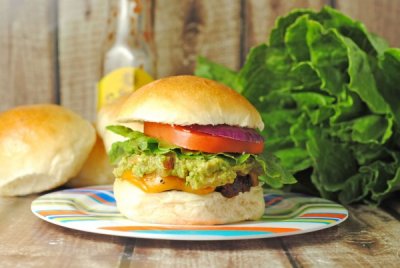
(261, 15)
(27, 72)
(26, 241)
(366, 239)
(186, 29)
(82, 36)
(381, 17)
(243, 253)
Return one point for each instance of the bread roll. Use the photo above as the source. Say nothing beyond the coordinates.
(176, 207)
(41, 147)
(97, 169)
(187, 100)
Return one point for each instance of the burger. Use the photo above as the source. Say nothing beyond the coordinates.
(197, 159)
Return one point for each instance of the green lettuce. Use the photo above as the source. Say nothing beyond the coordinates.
(328, 92)
(273, 175)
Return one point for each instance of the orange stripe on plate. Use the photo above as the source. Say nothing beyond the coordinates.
(179, 227)
(273, 200)
(60, 212)
(324, 215)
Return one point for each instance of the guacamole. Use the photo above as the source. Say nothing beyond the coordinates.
(199, 171)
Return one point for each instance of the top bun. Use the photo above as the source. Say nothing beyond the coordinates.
(187, 100)
(41, 147)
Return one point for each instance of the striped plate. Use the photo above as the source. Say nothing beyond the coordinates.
(92, 209)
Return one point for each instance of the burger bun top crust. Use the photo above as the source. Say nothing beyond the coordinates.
(187, 100)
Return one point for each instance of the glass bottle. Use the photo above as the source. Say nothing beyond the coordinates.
(133, 44)
(130, 62)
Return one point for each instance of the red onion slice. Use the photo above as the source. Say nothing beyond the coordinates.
(226, 131)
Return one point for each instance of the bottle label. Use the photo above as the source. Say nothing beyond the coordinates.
(120, 82)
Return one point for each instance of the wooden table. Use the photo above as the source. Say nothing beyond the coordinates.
(369, 238)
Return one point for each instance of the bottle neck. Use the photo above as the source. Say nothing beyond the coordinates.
(124, 21)
(133, 45)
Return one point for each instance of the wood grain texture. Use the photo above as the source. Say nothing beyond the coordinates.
(381, 17)
(261, 15)
(185, 29)
(26, 241)
(244, 253)
(27, 70)
(367, 239)
(81, 38)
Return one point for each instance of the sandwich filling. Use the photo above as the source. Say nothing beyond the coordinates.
(199, 171)
(155, 166)
(198, 174)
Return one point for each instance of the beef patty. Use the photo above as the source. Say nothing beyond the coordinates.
(240, 185)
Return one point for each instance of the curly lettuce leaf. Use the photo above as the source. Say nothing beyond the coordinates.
(207, 69)
(388, 80)
(328, 92)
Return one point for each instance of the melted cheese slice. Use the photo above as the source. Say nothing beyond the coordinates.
(155, 184)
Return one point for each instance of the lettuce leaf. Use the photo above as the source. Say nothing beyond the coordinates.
(273, 175)
(328, 92)
(217, 72)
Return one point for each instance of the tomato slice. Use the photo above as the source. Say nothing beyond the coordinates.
(192, 140)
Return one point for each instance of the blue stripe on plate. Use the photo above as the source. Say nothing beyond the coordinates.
(203, 232)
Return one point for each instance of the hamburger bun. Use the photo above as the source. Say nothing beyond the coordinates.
(97, 169)
(41, 147)
(176, 207)
(187, 100)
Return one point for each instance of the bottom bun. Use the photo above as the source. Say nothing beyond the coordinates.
(176, 207)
